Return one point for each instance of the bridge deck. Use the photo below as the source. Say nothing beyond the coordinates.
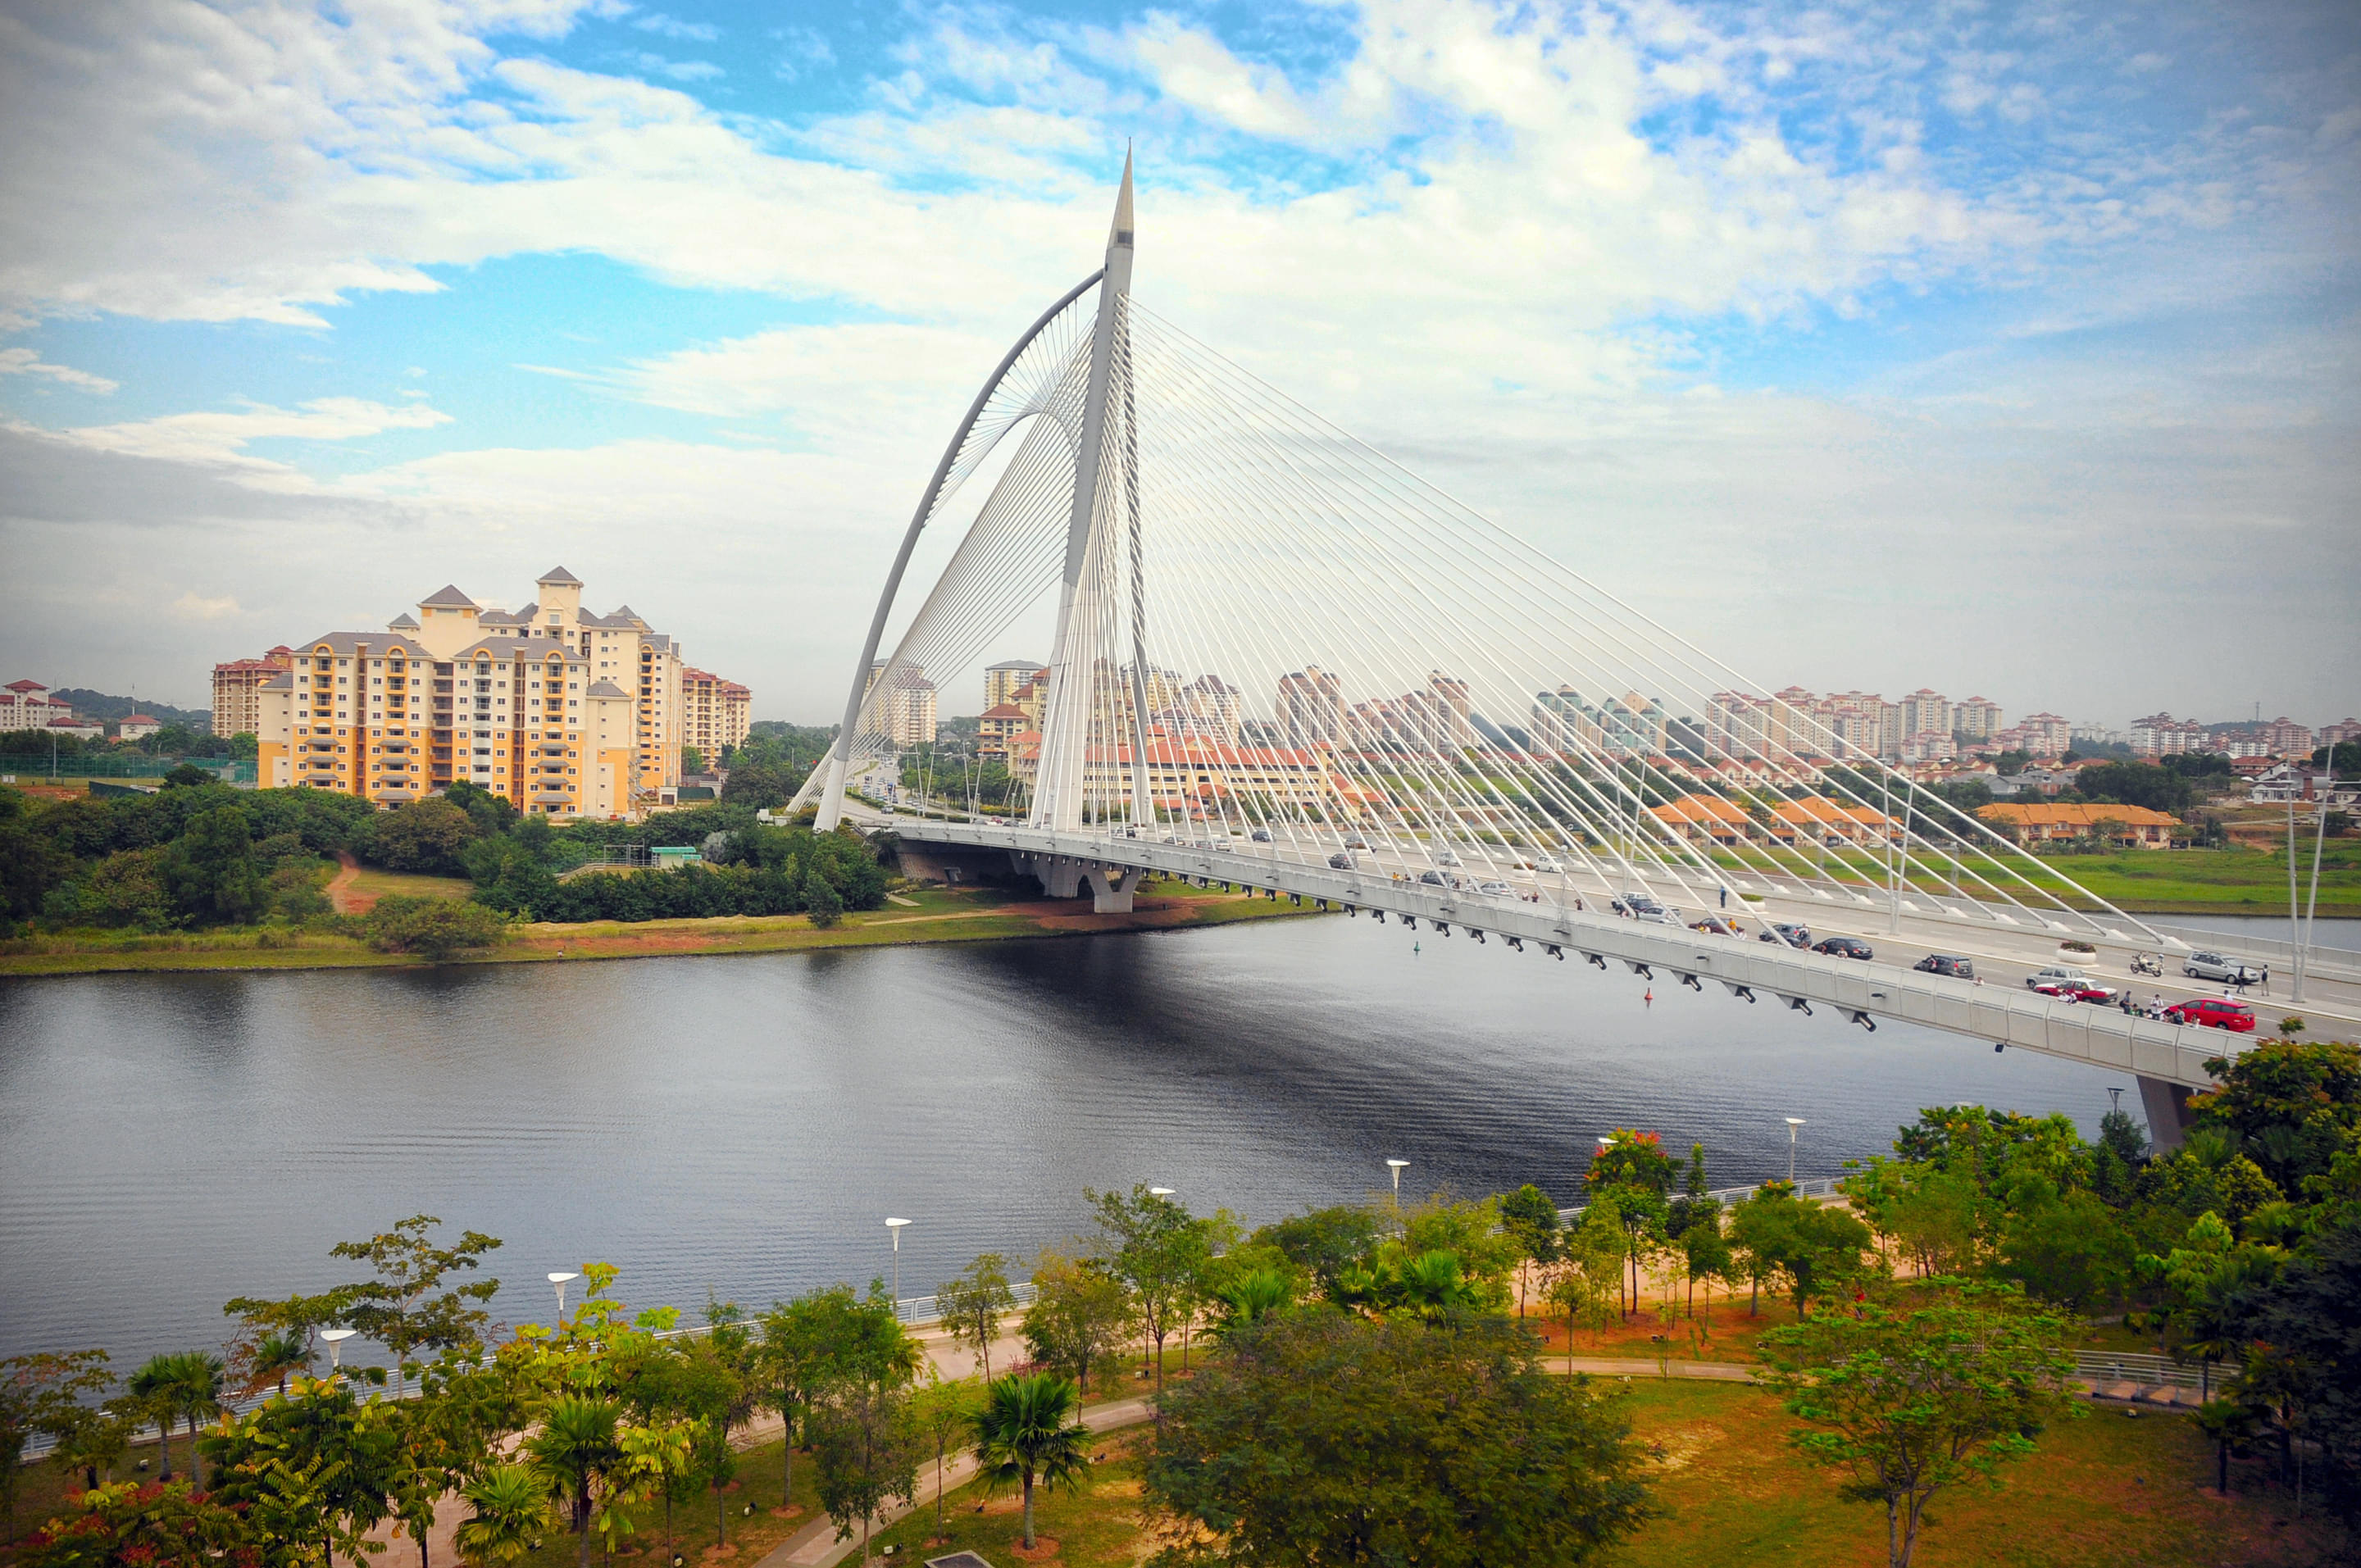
(2001, 1010)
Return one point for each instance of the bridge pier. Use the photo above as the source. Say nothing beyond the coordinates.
(1063, 876)
(2167, 1105)
(1111, 888)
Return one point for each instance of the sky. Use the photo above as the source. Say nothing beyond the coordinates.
(2009, 349)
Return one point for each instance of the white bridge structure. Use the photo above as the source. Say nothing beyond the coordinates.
(1285, 663)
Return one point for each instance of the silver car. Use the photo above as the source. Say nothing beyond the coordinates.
(1495, 889)
(1446, 858)
(2228, 970)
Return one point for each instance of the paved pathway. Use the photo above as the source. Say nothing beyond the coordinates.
(1627, 1367)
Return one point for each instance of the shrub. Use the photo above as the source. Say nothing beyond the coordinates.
(2290, 1025)
(434, 928)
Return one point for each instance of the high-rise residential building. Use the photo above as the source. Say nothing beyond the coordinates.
(1311, 707)
(2162, 734)
(1926, 712)
(715, 713)
(1002, 681)
(904, 712)
(2283, 737)
(237, 690)
(1978, 718)
(562, 712)
(2336, 734)
(2045, 734)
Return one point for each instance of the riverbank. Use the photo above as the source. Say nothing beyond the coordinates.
(919, 916)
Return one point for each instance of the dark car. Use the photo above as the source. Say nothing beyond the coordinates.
(1944, 963)
(1842, 947)
(1341, 860)
(1786, 931)
(1260, 835)
(1435, 879)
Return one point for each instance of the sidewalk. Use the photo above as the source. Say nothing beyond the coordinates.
(816, 1545)
(1630, 1366)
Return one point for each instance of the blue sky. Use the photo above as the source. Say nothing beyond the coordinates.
(2003, 349)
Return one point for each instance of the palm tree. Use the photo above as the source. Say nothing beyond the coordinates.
(1022, 1431)
(197, 1386)
(153, 1388)
(1432, 1287)
(1252, 1298)
(510, 1502)
(277, 1356)
(576, 1448)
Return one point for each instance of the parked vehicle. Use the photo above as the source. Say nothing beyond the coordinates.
(1842, 947)
(2054, 976)
(2068, 991)
(2149, 964)
(2214, 1012)
(2228, 970)
(1945, 963)
(1341, 860)
(1787, 931)
(1494, 889)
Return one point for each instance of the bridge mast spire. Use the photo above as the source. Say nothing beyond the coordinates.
(1073, 661)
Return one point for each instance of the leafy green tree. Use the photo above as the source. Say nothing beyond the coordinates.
(973, 1303)
(275, 1356)
(317, 1455)
(1324, 1243)
(2291, 1107)
(209, 869)
(1591, 1267)
(821, 901)
(1080, 1318)
(1934, 1217)
(1911, 1401)
(422, 836)
(866, 1446)
(2074, 1251)
(1814, 1248)
(943, 1411)
(663, 1455)
(824, 1341)
(692, 761)
(1151, 1244)
(1250, 1298)
(577, 1451)
(1025, 1433)
(436, 929)
(508, 1507)
(1529, 1216)
(1321, 1439)
(161, 1525)
(43, 1392)
(405, 1307)
(173, 1385)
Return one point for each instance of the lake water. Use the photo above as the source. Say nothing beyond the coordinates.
(744, 1125)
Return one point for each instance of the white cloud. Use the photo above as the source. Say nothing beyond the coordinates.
(674, 28)
(193, 606)
(28, 362)
(222, 436)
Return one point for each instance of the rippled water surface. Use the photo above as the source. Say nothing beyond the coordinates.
(744, 1124)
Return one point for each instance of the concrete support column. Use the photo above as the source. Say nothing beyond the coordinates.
(1060, 876)
(1111, 888)
(2167, 1105)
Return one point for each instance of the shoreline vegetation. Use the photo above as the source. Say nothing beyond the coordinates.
(919, 916)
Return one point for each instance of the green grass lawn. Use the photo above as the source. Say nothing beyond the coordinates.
(2142, 880)
(374, 882)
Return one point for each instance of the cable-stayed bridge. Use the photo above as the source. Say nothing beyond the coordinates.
(1284, 663)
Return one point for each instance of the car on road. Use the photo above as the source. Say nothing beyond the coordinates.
(1637, 904)
(1354, 842)
(2214, 1012)
(1435, 879)
(1341, 860)
(1947, 963)
(2228, 970)
(1260, 835)
(2055, 975)
(1842, 947)
(2070, 991)
(1543, 864)
(1717, 926)
(1494, 889)
(1787, 931)
(1446, 858)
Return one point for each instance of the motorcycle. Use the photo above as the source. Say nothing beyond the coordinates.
(2150, 964)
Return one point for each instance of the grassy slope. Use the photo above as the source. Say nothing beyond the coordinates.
(939, 916)
(2165, 881)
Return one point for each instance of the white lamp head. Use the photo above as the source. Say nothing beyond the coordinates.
(562, 1278)
(1794, 1120)
(1399, 1164)
(1160, 1191)
(336, 1338)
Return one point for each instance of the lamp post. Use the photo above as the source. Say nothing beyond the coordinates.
(1397, 1166)
(894, 1229)
(1793, 1122)
(336, 1338)
(559, 1280)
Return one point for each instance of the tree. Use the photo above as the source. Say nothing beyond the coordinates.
(422, 836)
(826, 1340)
(209, 869)
(972, 1302)
(1148, 1240)
(577, 1451)
(156, 1391)
(2074, 1251)
(1530, 1216)
(1081, 1317)
(943, 1410)
(507, 1505)
(866, 1446)
(821, 901)
(1324, 1243)
(274, 1356)
(195, 1390)
(436, 929)
(1814, 1247)
(1250, 1298)
(1023, 1433)
(45, 1393)
(1913, 1401)
(404, 1308)
(692, 761)
(1322, 1439)
(159, 1524)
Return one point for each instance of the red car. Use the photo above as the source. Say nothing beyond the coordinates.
(2213, 1014)
(2076, 991)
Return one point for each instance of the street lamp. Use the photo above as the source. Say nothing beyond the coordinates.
(894, 1229)
(1793, 1122)
(559, 1280)
(1161, 1191)
(336, 1338)
(1397, 1166)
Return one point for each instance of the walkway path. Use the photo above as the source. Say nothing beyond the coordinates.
(341, 896)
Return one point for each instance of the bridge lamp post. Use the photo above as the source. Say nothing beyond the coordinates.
(559, 1280)
(894, 1229)
(336, 1338)
(1793, 1122)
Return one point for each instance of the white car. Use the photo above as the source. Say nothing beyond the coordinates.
(2057, 976)
(1446, 858)
(1543, 864)
(1496, 889)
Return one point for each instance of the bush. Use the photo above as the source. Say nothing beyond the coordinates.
(423, 836)
(434, 928)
